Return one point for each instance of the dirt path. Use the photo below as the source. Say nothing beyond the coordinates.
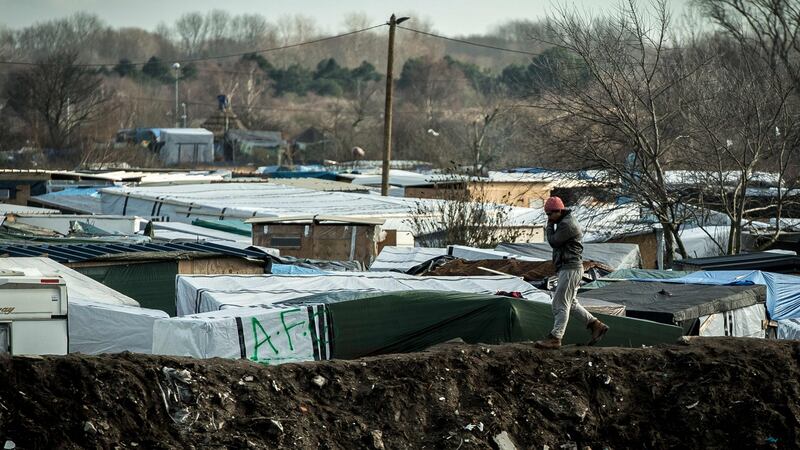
(719, 393)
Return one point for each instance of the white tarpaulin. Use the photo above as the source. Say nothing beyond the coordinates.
(101, 320)
(614, 255)
(264, 335)
(184, 203)
(475, 254)
(404, 258)
(740, 322)
(79, 286)
(101, 328)
(203, 293)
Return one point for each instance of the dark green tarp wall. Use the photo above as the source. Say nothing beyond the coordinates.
(152, 284)
(412, 321)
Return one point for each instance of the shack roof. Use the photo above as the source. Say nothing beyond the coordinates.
(316, 219)
(70, 253)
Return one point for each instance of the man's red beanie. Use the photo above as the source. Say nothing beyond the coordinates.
(553, 204)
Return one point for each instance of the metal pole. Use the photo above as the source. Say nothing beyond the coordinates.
(387, 114)
(177, 68)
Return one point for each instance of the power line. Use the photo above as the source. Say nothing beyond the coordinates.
(474, 44)
(215, 57)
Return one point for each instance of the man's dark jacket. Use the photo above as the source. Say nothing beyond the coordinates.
(565, 237)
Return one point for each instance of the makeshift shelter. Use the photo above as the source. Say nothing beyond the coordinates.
(259, 147)
(782, 297)
(320, 237)
(185, 203)
(615, 256)
(198, 294)
(383, 323)
(185, 146)
(265, 335)
(103, 328)
(101, 320)
(146, 271)
(704, 310)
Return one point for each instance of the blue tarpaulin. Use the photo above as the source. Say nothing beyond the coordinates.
(783, 291)
(288, 269)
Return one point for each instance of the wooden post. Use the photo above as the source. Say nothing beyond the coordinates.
(387, 114)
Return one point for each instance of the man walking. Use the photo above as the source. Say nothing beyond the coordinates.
(564, 236)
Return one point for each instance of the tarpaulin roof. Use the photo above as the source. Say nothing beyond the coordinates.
(79, 286)
(675, 303)
(185, 203)
(413, 321)
(102, 328)
(773, 262)
(634, 274)
(202, 293)
(108, 250)
(782, 295)
(403, 258)
(378, 324)
(616, 256)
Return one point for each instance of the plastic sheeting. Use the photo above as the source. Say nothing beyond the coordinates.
(404, 258)
(185, 203)
(101, 328)
(742, 322)
(783, 291)
(789, 329)
(615, 256)
(634, 274)
(378, 324)
(264, 335)
(79, 286)
(203, 293)
(288, 269)
(474, 254)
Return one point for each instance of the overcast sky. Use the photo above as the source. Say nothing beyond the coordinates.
(455, 17)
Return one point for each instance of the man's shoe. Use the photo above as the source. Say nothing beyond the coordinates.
(550, 343)
(598, 330)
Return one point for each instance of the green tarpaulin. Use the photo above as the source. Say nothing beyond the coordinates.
(152, 284)
(413, 321)
(629, 274)
(229, 225)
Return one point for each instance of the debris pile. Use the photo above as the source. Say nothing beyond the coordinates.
(709, 393)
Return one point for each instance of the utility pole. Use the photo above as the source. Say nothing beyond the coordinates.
(387, 113)
(177, 67)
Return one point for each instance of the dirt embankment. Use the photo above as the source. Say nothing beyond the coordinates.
(721, 393)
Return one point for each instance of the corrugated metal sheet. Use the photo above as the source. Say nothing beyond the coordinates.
(87, 252)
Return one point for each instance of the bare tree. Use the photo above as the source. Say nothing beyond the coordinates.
(58, 95)
(621, 120)
(192, 30)
(740, 119)
(462, 216)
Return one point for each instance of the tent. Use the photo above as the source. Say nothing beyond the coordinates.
(378, 324)
(203, 293)
(615, 256)
(698, 309)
